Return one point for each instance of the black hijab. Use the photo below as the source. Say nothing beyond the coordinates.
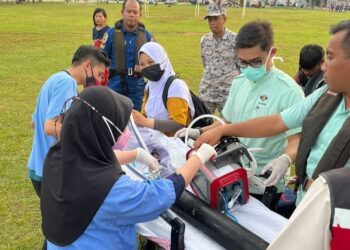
(81, 168)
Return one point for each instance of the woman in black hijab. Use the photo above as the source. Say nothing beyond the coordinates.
(87, 201)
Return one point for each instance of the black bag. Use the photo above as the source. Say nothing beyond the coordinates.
(199, 107)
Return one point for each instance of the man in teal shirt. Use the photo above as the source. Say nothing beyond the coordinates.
(324, 115)
(260, 90)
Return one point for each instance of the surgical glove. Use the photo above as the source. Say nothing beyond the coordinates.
(279, 168)
(205, 153)
(147, 159)
(193, 133)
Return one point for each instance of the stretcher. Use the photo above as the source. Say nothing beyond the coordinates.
(257, 225)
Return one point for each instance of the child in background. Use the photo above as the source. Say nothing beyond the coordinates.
(310, 75)
(100, 35)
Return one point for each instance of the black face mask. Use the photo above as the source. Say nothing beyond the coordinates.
(90, 80)
(153, 72)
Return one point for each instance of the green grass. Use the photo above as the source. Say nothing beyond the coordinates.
(38, 40)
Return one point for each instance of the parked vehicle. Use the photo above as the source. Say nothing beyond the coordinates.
(200, 2)
(281, 3)
(300, 4)
(256, 4)
(170, 2)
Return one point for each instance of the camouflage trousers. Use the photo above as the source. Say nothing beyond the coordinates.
(213, 106)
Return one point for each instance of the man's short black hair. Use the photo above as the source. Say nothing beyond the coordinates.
(90, 52)
(128, 0)
(310, 56)
(343, 26)
(255, 33)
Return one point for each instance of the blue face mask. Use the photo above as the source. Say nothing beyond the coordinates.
(255, 74)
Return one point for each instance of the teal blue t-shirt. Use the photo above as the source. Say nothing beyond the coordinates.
(275, 92)
(56, 90)
(294, 117)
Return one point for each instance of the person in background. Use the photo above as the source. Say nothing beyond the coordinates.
(87, 200)
(178, 111)
(100, 35)
(122, 47)
(88, 66)
(310, 75)
(261, 89)
(99, 31)
(218, 53)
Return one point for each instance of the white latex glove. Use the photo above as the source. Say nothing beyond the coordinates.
(147, 159)
(193, 133)
(205, 153)
(279, 168)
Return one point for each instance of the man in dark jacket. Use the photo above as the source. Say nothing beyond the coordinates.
(122, 46)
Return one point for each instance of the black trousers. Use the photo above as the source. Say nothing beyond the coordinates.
(37, 188)
(273, 205)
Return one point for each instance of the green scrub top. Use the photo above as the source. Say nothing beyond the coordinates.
(272, 94)
(294, 117)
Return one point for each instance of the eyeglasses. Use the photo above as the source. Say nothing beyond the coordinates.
(254, 63)
(105, 119)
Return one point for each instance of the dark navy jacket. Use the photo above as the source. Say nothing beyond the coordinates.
(136, 85)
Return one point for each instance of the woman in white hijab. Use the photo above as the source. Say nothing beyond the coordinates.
(156, 67)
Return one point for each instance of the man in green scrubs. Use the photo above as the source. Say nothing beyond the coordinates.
(260, 90)
(324, 115)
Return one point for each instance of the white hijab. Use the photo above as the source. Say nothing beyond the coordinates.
(154, 107)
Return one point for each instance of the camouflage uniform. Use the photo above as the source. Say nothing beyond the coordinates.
(218, 58)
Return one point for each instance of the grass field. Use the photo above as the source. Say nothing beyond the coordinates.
(38, 40)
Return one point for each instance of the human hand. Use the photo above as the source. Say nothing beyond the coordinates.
(205, 153)
(139, 119)
(210, 137)
(193, 133)
(279, 167)
(147, 159)
(137, 68)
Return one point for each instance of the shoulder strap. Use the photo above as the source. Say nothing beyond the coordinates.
(337, 153)
(166, 90)
(146, 94)
(141, 39)
(312, 126)
(119, 47)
